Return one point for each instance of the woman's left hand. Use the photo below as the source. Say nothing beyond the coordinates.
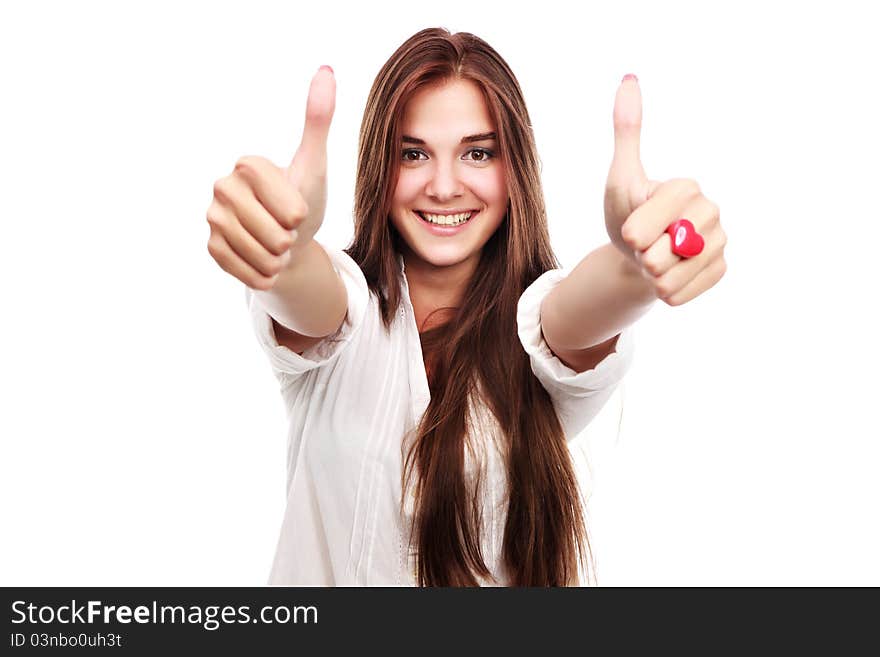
(638, 212)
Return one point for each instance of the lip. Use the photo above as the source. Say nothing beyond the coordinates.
(446, 213)
(445, 231)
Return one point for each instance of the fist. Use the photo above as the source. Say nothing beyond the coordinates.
(261, 214)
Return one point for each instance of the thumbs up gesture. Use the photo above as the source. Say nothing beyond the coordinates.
(638, 212)
(262, 215)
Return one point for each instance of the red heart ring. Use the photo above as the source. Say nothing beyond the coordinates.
(686, 241)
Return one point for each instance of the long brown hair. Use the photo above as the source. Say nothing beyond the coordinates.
(477, 348)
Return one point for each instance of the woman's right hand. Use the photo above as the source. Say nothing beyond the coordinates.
(263, 215)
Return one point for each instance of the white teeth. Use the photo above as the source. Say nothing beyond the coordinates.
(447, 220)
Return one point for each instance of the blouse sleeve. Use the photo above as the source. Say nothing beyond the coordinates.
(287, 364)
(577, 397)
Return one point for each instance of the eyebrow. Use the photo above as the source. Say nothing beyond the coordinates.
(483, 136)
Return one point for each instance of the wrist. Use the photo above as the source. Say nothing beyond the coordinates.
(627, 255)
(300, 247)
(641, 282)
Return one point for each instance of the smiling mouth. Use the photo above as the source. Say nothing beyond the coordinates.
(449, 221)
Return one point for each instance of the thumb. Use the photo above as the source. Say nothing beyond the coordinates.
(626, 173)
(319, 113)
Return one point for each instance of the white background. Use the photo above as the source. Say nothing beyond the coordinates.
(143, 435)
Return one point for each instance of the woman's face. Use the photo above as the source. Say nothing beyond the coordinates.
(449, 164)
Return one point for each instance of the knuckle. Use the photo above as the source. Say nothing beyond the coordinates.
(292, 212)
(221, 188)
(247, 163)
(283, 245)
(214, 216)
(716, 210)
(294, 219)
(273, 267)
(298, 211)
(289, 219)
(688, 187)
(629, 236)
(216, 250)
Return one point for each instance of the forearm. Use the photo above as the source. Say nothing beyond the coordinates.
(604, 294)
(308, 296)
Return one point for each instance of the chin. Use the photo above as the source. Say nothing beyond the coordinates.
(442, 257)
(449, 261)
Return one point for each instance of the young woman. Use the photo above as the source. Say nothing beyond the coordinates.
(435, 371)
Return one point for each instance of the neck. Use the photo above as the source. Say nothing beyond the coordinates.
(432, 287)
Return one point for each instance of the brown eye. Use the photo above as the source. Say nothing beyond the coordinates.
(484, 154)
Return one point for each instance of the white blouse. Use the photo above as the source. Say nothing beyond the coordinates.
(351, 398)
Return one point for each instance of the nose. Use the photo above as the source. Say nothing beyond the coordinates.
(445, 184)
